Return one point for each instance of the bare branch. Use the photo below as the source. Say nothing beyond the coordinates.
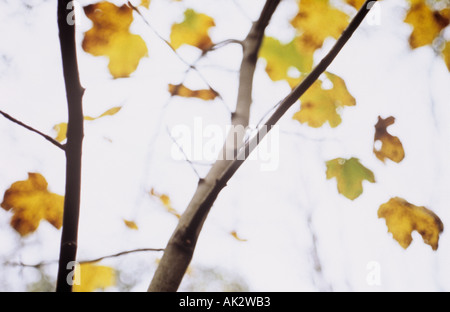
(45, 136)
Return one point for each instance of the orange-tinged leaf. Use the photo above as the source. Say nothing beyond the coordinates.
(316, 21)
(403, 217)
(349, 174)
(280, 58)
(446, 54)
(31, 202)
(426, 22)
(391, 146)
(357, 4)
(236, 236)
(110, 36)
(320, 105)
(93, 277)
(130, 224)
(165, 200)
(181, 90)
(193, 30)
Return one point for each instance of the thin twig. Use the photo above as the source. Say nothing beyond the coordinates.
(45, 136)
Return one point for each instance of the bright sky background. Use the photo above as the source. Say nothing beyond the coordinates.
(280, 213)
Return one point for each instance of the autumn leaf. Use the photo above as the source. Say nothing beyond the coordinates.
(31, 202)
(320, 105)
(110, 36)
(181, 90)
(61, 128)
(280, 58)
(349, 174)
(165, 200)
(316, 21)
(357, 4)
(145, 3)
(236, 236)
(131, 224)
(193, 30)
(426, 22)
(391, 146)
(446, 54)
(93, 277)
(403, 217)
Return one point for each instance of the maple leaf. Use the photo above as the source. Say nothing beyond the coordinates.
(316, 21)
(320, 105)
(31, 202)
(349, 174)
(165, 200)
(61, 128)
(403, 217)
(426, 22)
(110, 36)
(280, 58)
(391, 146)
(92, 277)
(193, 30)
(446, 54)
(181, 90)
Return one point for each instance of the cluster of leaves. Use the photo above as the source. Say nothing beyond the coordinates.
(30, 201)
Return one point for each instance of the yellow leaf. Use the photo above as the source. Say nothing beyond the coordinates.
(280, 58)
(131, 224)
(426, 22)
(391, 146)
(193, 30)
(92, 277)
(357, 4)
(181, 90)
(235, 235)
(320, 105)
(110, 36)
(145, 3)
(349, 174)
(403, 217)
(316, 21)
(446, 54)
(61, 131)
(165, 200)
(31, 202)
(61, 128)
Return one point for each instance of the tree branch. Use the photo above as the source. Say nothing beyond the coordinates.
(48, 138)
(180, 248)
(74, 94)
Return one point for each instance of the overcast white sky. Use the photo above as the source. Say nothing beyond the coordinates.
(277, 212)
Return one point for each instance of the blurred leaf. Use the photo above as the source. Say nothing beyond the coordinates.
(61, 128)
(320, 105)
(131, 224)
(236, 236)
(181, 90)
(446, 54)
(402, 218)
(391, 146)
(349, 174)
(357, 4)
(165, 200)
(316, 21)
(145, 3)
(110, 36)
(193, 30)
(280, 58)
(31, 202)
(426, 22)
(93, 277)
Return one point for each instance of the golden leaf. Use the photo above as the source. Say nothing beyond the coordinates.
(391, 146)
(236, 236)
(109, 112)
(357, 4)
(92, 277)
(446, 54)
(181, 90)
(131, 224)
(31, 202)
(145, 3)
(426, 22)
(403, 217)
(165, 200)
(193, 30)
(316, 21)
(110, 36)
(320, 105)
(349, 174)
